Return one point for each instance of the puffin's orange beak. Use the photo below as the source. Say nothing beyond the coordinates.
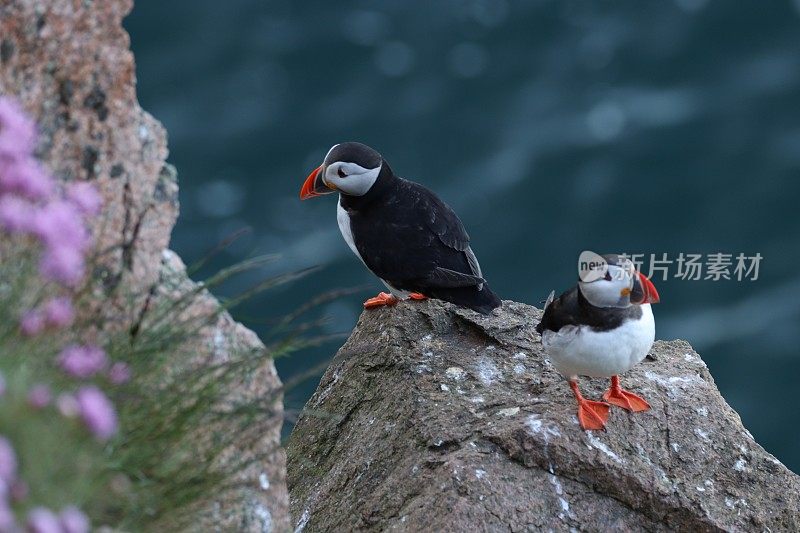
(314, 185)
(650, 292)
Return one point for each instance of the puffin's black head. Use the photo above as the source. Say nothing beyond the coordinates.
(350, 168)
(615, 282)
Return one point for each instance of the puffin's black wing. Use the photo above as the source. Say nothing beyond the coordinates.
(440, 219)
(446, 278)
(562, 311)
(451, 232)
(571, 309)
(415, 242)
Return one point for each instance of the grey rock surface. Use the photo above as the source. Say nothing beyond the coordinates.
(68, 63)
(434, 418)
(254, 497)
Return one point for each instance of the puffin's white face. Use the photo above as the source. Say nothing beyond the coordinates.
(622, 286)
(613, 290)
(350, 178)
(349, 168)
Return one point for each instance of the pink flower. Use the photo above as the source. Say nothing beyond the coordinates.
(39, 396)
(27, 178)
(7, 522)
(82, 361)
(62, 264)
(28, 204)
(73, 520)
(58, 312)
(41, 520)
(16, 214)
(97, 412)
(17, 131)
(8, 462)
(59, 224)
(32, 323)
(85, 197)
(119, 373)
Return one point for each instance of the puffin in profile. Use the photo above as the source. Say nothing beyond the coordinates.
(601, 328)
(401, 231)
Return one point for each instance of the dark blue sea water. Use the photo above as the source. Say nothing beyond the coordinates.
(550, 126)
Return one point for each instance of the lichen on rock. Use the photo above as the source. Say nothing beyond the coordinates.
(435, 418)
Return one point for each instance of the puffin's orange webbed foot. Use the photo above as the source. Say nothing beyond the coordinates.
(591, 414)
(383, 298)
(417, 296)
(618, 396)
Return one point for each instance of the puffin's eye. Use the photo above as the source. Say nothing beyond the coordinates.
(341, 173)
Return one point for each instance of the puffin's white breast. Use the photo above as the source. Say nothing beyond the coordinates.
(580, 351)
(343, 218)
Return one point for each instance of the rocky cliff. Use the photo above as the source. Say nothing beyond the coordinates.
(433, 418)
(68, 62)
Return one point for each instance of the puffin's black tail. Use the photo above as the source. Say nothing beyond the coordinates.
(483, 301)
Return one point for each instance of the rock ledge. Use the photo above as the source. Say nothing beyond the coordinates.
(436, 418)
